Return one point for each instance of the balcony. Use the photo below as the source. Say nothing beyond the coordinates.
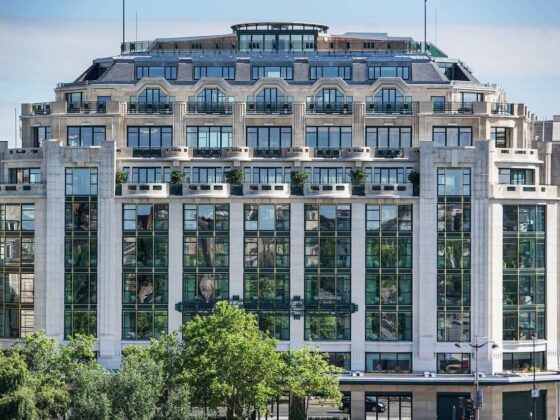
(146, 152)
(388, 190)
(327, 190)
(357, 153)
(207, 152)
(453, 108)
(284, 108)
(296, 153)
(398, 108)
(43, 108)
(267, 152)
(327, 153)
(143, 190)
(86, 107)
(502, 109)
(205, 190)
(266, 190)
(516, 155)
(329, 107)
(506, 191)
(22, 189)
(143, 108)
(389, 153)
(176, 153)
(222, 108)
(26, 153)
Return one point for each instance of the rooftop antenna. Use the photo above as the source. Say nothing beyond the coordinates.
(123, 40)
(15, 127)
(425, 25)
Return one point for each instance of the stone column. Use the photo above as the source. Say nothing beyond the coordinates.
(358, 124)
(298, 124)
(358, 289)
(239, 124)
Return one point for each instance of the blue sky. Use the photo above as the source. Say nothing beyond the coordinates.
(515, 43)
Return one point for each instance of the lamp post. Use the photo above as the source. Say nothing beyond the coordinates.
(477, 397)
(534, 391)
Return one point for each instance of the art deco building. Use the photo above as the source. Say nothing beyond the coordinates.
(358, 192)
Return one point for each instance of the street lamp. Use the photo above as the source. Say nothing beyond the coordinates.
(477, 397)
(534, 391)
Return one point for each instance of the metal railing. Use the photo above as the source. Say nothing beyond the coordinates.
(144, 108)
(389, 108)
(146, 152)
(210, 107)
(267, 152)
(328, 153)
(502, 109)
(269, 107)
(452, 108)
(43, 108)
(343, 107)
(86, 107)
(207, 152)
(389, 153)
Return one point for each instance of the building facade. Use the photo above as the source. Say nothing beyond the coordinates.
(358, 192)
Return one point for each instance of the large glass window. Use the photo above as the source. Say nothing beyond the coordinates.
(328, 137)
(388, 272)
(385, 406)
(516, 176)
(81, 181)
(284, 72)
(40, 134)
(453, 254)
(145, 270)
(267, 266)
(316, 72)
(375, 72)
(147, 174)
(327, 262)
(209, 137)
(452, 136)
(226, 72)
(85, 136)
(389, 362)
(205, 257)
(389, 137)
(168, 72)
(502, 136)
(524, 361)
(524, 272)
(17, 279)
(25, 175)
(454, 363)
(269, 137)
(388, 176)
(149, 137)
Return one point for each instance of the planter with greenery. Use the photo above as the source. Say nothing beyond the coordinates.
(358, 178)
(298, 178)
(234, 177)
(176, 187)
(120, 178)
(414, 178)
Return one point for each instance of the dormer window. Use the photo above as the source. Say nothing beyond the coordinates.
(344, 72)
(167, 72)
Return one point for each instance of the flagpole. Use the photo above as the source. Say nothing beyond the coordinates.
(425, 26)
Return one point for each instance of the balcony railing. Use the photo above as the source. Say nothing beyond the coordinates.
(328, 190)
(145, 152)
(453, 108)
(502, 109)
(207, 152)
(389, 153)
(206, 189)
(86, 107)
(143, 108)
(37, 188)
(402, 108)
(43, 108)
(266, 190)
(267, 153)
(269, 108)
(329, 107)
(210, 107)
(327, 153)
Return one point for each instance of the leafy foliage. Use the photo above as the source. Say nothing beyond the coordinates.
(234, 177)
(299, 177)
(121, 177)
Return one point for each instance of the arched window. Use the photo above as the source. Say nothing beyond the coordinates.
(392, 101)
(329, 101)
(269, 100)
(151, 101)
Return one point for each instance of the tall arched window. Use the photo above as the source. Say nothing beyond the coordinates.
(151, 101)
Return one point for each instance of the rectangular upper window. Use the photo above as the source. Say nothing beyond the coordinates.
(455, 182)
(389, 137)
(375, 72)
(209, 137)
(81, 181)
(167, 72)
(149, 137)
(269, 137)
(389, 362)
(502, 136)
(226, 72)
(452, 136)
(85, 136)
(41, 134)
(25, 175)
(284, 72)
(328, 137)
(516, 176)
(316, 72)
(147, 174)
(454, 363)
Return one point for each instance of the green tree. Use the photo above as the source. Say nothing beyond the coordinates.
(16, 396)
(136, 389)
(307, 374)
(230, 362)
(89, 396)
